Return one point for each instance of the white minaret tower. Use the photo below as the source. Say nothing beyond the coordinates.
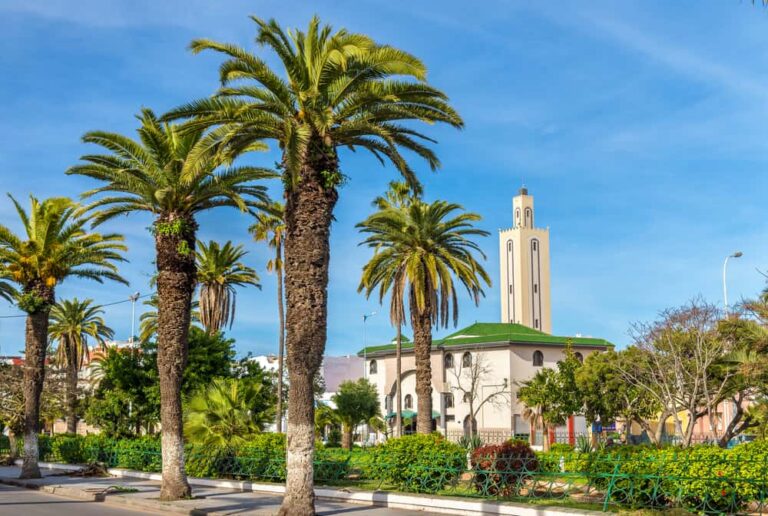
(524, 260)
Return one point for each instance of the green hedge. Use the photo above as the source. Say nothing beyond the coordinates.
(702, 478)
(418, 463)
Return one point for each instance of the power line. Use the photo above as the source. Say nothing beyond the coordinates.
(130, 298)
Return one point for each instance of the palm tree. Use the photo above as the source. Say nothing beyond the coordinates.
(338, 89)
(72, 322)
(219, 271)
(398, 196)
(535, 394)
(169, 173)
(224, 414)
(420, 249)
(270, 228)
(55, 245)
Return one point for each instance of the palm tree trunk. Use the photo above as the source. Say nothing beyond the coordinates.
(308, 215)
(399, 372)
(346, 437)
(72, 369)
(175, 286)
(281, 343)
(36, 341)
(422, 347)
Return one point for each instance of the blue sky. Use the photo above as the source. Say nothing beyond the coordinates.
(638, 126)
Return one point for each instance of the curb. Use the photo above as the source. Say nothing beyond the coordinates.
(387, 499)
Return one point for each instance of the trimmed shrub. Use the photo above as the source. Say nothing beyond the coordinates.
(418, 463)
(501, 469)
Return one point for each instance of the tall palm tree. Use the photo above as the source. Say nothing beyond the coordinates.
(219, 271)
(337, 89)
(421, 251)
(270, 228)
(168, 173)
(72, 322)
(398, 196)
(55, 245)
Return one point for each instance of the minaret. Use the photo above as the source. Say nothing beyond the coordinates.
(524, 260)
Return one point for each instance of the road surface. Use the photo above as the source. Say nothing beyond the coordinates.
(17, 501)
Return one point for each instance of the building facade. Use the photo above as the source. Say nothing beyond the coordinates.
(477, 371)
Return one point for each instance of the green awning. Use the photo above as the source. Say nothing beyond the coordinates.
(410, 414)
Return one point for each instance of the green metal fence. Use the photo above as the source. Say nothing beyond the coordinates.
(596, 481)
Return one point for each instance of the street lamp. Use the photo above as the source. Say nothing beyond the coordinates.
(133, 298)
(737, 254)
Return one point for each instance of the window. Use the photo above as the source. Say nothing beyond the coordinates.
(536, 323)
(466, 360)
(448, 361)
(535, 245)
(408, 402)
(466, 397)
(372, 368)
(535, 288)
(388, 403)
(448, 400)
(538, 358)
(579, 357)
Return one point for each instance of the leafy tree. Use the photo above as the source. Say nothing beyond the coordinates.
(229, 411)
(210, 356)
(173, 174)
(270, 228)
(607, 397)
(341, 89)
(423, 250)
(219, 271)
(72, 322)
(12, 400)
(126, 400)
(552, 395)
(356, 402)
(55, 245)
(678, 360)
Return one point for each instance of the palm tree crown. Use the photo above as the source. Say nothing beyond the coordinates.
(55, 246)
(341, 89)
(166, 171)
(219, 271)
(73, 322)
(421, 247)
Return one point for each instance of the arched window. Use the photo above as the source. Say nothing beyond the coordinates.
(466, 360)
(448, 361)
(448, 400)
(528, 217)
(408, 402)
(517, 217)
(579, 357)
(538, 358)
(372, 368)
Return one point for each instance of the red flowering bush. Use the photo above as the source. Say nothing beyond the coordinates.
(501, 469)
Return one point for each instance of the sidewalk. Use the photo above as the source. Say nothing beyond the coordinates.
(142, 495)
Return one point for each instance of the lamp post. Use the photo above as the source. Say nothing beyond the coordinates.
(737, 254)
(133, 298)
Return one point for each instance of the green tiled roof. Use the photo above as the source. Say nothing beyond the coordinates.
(490, 333)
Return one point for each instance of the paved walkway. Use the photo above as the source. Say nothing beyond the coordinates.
(18, 500)
(141, 495)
